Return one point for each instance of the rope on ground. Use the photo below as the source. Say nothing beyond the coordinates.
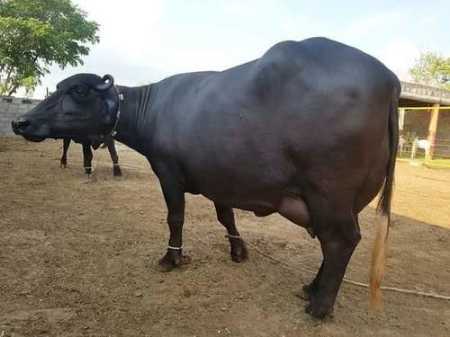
(355, 283)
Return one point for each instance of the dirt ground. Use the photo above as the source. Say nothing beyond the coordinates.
(78, 257)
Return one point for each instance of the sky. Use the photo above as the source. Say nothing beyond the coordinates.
(144, 41)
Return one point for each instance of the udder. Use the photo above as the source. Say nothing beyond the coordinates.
(296, 210)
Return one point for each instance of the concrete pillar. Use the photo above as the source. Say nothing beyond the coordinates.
(414, 148)
(401, 118)
(432, 129)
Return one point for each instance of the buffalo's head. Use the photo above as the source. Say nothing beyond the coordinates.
(84, 106)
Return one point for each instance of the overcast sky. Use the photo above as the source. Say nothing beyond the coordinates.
(143, 41)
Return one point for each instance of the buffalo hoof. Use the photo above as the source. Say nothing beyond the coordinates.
(318, 310)
(88, 170)
(308, 291)
(173, 259)
(239, 251)
(63, 163)
(117, 172)
(305, 293)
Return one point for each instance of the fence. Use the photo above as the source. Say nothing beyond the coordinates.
(424, 132)
(418, 148)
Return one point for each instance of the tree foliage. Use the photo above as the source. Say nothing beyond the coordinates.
(432, 68)
(35, 34)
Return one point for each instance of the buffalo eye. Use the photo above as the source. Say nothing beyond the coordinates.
(81, 91)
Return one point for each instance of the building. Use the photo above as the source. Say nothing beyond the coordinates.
(424, 113)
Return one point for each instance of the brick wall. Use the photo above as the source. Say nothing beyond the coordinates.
(10, 109)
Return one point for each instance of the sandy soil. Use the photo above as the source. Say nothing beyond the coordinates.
(78, 257)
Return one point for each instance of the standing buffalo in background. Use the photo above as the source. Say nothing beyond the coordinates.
(108, 142)
(309, 130)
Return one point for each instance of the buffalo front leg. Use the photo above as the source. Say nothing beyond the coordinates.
(66, 144)
(238, 250)
(117, 172)
(87, 158)
(174, 197)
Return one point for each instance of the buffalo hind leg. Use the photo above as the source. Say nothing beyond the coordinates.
(87, 158)
(309, 290)
(338, 239)
(296, 210)
(117, 172)
(66, 143)
(174, 197)
(238, 250)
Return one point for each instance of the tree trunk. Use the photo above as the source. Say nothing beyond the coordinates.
(12, 90)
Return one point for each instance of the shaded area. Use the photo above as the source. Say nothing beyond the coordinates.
(79, 258)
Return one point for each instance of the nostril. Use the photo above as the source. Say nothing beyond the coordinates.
(23, 122)
(19, 124)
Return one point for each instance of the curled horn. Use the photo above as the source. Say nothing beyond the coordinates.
(108, 82)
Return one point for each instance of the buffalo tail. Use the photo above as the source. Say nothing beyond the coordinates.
(384, 207)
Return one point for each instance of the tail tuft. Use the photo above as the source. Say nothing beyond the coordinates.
(377, 265)
(384, 207)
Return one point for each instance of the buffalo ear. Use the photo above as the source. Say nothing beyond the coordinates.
(107, 82)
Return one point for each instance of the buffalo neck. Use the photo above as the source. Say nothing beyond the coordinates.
(135, 121)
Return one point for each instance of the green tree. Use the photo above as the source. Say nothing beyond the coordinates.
(432, 68)
(34, 34)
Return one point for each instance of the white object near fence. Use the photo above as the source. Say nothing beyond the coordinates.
(423, 144)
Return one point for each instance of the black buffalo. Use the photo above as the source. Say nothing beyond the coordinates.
(309, 131)
(88, 145)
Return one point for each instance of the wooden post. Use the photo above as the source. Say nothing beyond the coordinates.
(432, 129)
